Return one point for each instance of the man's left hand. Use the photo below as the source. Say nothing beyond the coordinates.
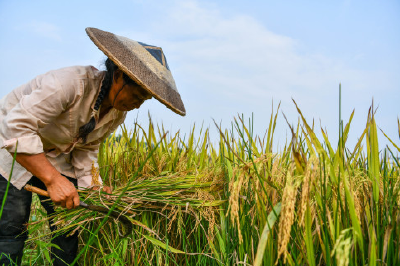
(105, 189)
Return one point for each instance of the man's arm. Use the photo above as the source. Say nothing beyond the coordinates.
(61, 190)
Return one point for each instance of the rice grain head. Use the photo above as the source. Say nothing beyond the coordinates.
(342, 247)
(172, 216)
(162, 162)
(207, 212)
(309, 177)
(287, 214)
(95, 175)
(278, 178)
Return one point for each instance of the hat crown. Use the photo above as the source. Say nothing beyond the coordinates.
(157, 53)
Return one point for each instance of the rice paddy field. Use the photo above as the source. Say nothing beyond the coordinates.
(192, 202)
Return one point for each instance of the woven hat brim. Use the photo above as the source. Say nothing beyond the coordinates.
(135, 61)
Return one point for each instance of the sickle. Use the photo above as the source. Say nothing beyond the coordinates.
(125, 221)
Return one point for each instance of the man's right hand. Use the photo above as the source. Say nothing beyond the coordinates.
(63, 192)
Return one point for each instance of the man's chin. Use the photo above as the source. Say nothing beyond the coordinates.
(124, 108)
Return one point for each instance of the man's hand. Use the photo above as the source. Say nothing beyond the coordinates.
(105, 189)
(62, 192)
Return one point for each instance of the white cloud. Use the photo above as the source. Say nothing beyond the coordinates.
(239, 53)
(229, 65)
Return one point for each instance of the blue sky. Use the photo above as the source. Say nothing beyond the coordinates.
(228, 57)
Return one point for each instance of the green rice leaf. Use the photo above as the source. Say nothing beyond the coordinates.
(265, 234)
(163, 245)
(309, 238)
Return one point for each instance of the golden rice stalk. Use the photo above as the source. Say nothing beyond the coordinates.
(240, 186)
(287, 214)
(342, 248)
(278, 177)
(162, 163)
(358, 180)
(309, 177)
(357, 206)
(397, 188)
(234, 205)
(208, 213)
(95, 175)
(172, 216)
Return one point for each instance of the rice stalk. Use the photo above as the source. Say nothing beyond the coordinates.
(195, 203)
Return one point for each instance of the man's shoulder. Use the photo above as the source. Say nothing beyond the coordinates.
(74, 81)
(76, 72)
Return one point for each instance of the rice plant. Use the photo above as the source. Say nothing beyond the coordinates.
(240, 203)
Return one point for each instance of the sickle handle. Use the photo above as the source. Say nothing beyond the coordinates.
(36, 190)
(39, 191)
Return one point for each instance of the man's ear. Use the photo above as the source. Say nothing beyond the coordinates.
(117, 74)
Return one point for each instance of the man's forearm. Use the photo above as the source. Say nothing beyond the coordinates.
(38, 165)
(60, 189)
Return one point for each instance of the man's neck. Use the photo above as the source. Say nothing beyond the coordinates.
(105, 107)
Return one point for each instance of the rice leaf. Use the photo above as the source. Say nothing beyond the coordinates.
(272, 217)
(163, 245)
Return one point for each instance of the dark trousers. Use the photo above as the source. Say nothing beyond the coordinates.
(13, 226)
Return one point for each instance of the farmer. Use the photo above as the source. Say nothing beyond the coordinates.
(55, 124)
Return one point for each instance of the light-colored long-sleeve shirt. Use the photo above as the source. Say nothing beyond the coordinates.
(44, 116)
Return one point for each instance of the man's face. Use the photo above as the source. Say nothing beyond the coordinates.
(126, 97)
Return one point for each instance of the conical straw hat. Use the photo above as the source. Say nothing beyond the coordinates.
(144, 64)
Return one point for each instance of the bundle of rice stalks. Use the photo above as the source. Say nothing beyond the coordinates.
(155, 194)
(162, 209)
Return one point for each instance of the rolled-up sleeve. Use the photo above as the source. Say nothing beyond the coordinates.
(43, 101)
(83, 158)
